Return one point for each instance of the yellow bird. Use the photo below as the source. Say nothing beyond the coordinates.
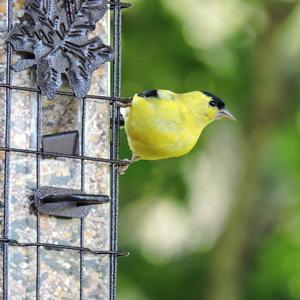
(162, 124)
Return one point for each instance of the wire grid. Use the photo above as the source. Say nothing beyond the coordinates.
(114, 160)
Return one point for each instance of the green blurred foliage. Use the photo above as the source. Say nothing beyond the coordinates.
(221, 223)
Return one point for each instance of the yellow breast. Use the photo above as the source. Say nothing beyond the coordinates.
(160, 128)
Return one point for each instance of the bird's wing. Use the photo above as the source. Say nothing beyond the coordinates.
(158, 106)
(149, 94)
(155, 108)
(157, 94)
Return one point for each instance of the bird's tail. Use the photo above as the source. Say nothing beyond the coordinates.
(121, 121)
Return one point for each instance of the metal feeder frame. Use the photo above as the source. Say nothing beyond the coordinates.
(114, 160)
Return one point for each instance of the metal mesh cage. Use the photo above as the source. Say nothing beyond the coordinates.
(44, 257)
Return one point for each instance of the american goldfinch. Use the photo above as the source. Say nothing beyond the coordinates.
(161, 124)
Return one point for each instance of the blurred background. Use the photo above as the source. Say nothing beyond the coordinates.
(222, 223)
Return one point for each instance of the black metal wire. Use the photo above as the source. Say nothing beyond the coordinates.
(83, 111)
(38, 173)
(116, 91)
(60, 247)
(7, 155)
(62, 93)
(114, 161)
(60, 155)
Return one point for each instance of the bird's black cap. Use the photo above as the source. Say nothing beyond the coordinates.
(219, 102)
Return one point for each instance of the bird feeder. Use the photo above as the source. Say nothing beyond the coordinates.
(59, 141)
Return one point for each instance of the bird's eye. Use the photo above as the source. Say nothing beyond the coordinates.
(212, 103)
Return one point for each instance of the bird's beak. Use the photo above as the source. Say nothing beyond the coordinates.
(225, 114)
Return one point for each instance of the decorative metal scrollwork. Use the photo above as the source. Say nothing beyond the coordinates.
(56, 32)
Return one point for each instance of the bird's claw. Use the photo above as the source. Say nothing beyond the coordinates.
(124, 104)
(123, 166)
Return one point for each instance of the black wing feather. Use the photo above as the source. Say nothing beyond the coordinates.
(149, 94)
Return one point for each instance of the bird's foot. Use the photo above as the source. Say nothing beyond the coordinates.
(123, 166)
(124, 104)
